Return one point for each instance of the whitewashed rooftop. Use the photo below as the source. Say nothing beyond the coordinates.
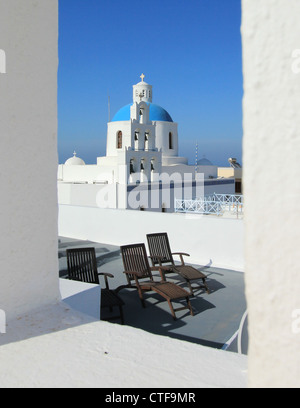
(57, 347)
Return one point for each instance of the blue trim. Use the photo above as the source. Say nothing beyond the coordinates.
(157, 113)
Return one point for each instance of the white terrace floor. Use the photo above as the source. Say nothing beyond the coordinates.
(217, 315)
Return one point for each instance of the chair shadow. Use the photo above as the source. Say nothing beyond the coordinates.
(156, 317)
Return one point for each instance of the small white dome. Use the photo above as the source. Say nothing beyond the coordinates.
(204, 162)
(75, 161)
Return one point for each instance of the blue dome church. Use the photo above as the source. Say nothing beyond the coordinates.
(141, 168)
(143, 126)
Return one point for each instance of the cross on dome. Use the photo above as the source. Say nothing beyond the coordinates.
(74, 154)
(142, 77)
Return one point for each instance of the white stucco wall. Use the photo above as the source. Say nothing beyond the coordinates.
(89, 173)
(85, 192)
(207, 171)
(271, 34)
(28, 129)
(162, 138)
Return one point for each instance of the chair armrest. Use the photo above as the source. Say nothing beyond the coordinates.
(161, 270)
(134, 273)
(181, 254)
(158, 267)
(159, 258)
(106, 275)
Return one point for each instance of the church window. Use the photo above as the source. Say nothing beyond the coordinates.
(152, 165)
(136, 136)
(147, 136)
(142, 165)
(119, 139)
(141, 115)
(171, 141)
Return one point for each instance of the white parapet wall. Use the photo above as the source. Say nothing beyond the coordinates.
(209, 240)
(28, 129)
(271, 44)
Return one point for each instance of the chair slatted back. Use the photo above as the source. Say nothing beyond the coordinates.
(159, 246)
(82, 265)
(135, 259)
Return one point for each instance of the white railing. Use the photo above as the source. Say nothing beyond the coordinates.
(216, 204)
(198, 206)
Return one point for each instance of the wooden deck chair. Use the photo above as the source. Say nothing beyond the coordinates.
(82, 266)
(139, 276)
(161, 254)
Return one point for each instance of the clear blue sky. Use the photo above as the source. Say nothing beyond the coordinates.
(190, 51)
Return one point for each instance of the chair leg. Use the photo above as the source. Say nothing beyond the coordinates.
(190, 306)
(172, 309)
(205, 285)
(190, 287)
(141, 297)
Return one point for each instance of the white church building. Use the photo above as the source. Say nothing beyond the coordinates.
(142, 168)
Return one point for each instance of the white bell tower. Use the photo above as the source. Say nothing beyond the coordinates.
(142, 92)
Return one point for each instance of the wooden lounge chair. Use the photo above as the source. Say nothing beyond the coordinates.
(160, 252)
(139, 276)
(82, 266)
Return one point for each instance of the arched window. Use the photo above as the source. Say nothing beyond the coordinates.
(119, 139)
(136, 139)
(147, 136)
(141, 112)
(171, 141)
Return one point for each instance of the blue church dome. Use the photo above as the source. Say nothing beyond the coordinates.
(157, 113)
